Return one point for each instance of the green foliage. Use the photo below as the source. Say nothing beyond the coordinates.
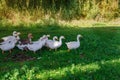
(24, 73)
(61, 9)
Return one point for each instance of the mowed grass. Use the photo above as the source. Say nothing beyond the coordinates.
(98, 57)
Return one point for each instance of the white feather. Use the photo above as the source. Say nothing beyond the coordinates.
(8, 45)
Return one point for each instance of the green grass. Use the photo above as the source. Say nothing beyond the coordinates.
(98, 57)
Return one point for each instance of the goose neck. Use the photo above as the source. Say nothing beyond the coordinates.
(30, 40)
(60, 40)
(78, 39)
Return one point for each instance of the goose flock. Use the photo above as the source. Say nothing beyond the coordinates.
(10, 42)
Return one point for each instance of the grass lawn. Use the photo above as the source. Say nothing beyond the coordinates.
(98, 57)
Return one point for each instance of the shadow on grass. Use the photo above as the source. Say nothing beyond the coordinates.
(98, 44)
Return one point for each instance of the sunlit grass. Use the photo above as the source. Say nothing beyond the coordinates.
(67, 71)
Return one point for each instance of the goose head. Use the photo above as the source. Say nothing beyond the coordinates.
(62, 37)
(48, 35)
(16, 33)
(30, 36)
(55, 38)
(78, 36)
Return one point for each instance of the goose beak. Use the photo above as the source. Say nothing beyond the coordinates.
(81, 36)
(32, 37)
(48, 35)
(18, 33)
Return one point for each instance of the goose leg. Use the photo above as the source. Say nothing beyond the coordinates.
(25, 48)
(2, 52)
(55, 49)
(34, 52)
(10, 51)
(49, 49)
(68, 50)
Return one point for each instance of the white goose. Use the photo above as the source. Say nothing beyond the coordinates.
(74, 44)
(10, 38)
(49, 41)
(55, 44)
(8, 46)
(35, 46)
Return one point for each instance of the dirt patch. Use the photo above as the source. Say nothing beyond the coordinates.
(19, 57)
